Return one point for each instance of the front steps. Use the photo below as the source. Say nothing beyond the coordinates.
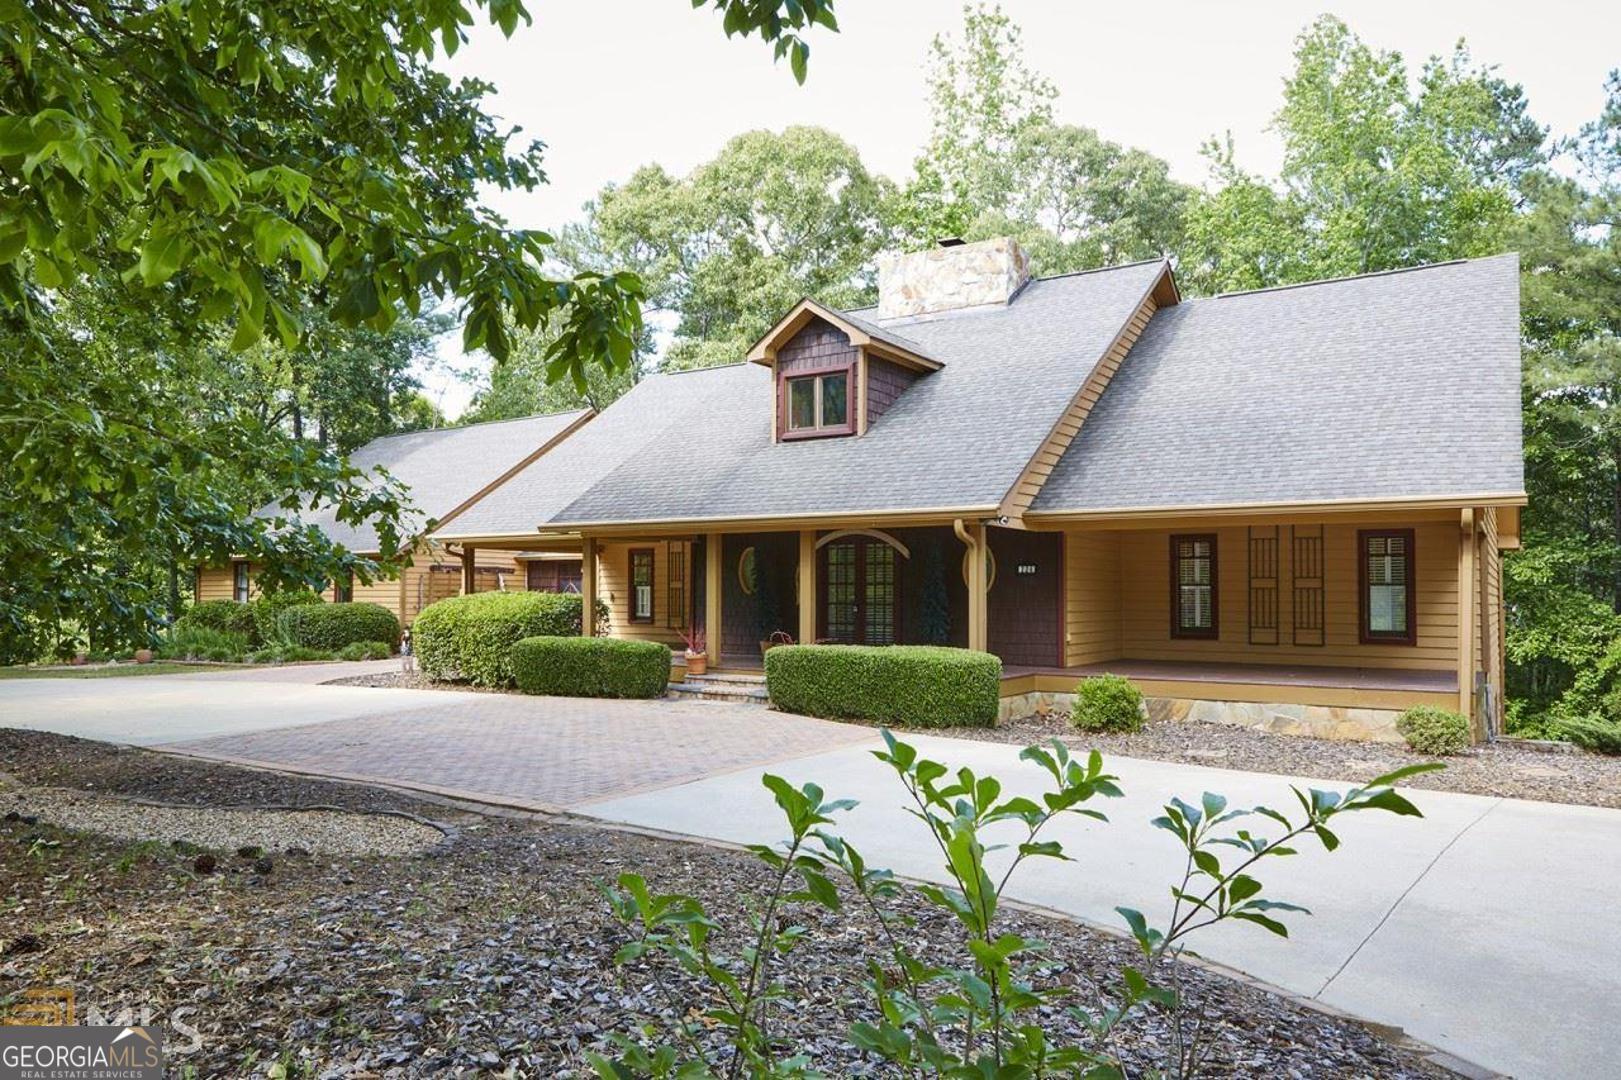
(722, 686)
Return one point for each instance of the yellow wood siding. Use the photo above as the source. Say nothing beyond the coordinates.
(613, 583)
(1091, 597)
(1139, 563)
(219, 583)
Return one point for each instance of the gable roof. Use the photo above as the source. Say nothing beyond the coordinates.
(1402, 385)
(445, 469)
(696, 446)
(881, 340)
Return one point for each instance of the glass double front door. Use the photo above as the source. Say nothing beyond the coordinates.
(860, 592)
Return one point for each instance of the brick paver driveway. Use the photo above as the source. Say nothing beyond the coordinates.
(533, 753)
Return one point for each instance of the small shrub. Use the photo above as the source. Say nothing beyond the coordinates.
(188, 641)
(591, 667)
(1590, 732)
(470, 638)
(1107, 703)
(366, 650)
(1434, 731)
(289, 654)
(267, 611)
(223, 615)
(333, 626)
(912, 685)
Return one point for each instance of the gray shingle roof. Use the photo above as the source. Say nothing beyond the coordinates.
(1399, 385)
(442, 469)
(956, 439)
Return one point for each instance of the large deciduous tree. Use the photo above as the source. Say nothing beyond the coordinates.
(728, 248)
(169, 168)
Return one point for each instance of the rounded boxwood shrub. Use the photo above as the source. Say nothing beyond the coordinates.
(330, 627)
(470, 638)
(909, 685)
(591, 667)
(225, 616)
(1430, 730)
(1107, 703)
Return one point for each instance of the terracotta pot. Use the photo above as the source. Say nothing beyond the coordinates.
(143, 656)
(697, 663)
(81, 659)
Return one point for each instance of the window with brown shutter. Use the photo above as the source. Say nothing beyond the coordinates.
(1193, 586)
(1387, 587)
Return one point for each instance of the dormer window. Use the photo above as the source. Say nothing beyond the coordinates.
(819, 404)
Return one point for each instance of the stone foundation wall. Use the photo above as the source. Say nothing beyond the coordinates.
(1317, 721)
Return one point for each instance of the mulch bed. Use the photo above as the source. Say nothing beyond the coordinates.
(1503, 769)
(489, 955)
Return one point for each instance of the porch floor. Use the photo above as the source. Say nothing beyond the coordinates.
(1341, 678)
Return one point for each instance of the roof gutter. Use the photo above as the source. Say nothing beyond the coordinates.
(1329, 506)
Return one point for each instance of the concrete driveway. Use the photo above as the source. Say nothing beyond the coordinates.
(1483, 928)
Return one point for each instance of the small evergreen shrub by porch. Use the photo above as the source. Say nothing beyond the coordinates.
(470, 638)
(1591, 733)
(910, 685)
(591, 667)
(1434, 731)
(330, 627)
(1107, 703)
(226, 616)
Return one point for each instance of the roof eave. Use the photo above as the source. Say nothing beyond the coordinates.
(764, 351)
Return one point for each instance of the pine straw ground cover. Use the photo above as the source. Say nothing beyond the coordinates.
(489, 956)
(1505, 769)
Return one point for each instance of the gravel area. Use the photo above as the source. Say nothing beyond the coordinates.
(326, 832)
(1502, 769)
(491, 954)
(413, 680)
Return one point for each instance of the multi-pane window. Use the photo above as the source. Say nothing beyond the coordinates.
(819, 404)
(1193, 586)
(239, 582)
(641, 585)
(1387, 586)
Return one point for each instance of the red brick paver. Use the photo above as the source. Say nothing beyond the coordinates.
(535, 753)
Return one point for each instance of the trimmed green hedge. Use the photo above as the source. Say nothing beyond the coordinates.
(225, 616)
(470, 638)
(267, 611)
(908, 685)
(591, 667)
(332, 626)
(1107, 703)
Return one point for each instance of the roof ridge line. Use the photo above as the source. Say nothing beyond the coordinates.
(1353, 277)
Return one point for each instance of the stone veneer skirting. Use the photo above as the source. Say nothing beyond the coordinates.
(1318, 721)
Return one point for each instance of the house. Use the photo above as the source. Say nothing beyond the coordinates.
(1283, 508)
(446, 472)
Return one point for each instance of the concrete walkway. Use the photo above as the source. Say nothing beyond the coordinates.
(1485, 928)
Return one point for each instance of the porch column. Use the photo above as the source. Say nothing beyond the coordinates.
(1466, 616)
(469, 572)
(973, 537)
(588, 586)
(807, 586)
(713, 571)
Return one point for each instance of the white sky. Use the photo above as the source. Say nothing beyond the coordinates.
(610, 85)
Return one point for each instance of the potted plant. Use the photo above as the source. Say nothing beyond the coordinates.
(143, 656)
(778, 637)
(697, 654)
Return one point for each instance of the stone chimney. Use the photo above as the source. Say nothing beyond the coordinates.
(951, 277)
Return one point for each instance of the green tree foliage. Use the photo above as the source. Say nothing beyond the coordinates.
(773, 217)
(1377, 173)
(280, 169)
(999, 164)
(521, 386)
